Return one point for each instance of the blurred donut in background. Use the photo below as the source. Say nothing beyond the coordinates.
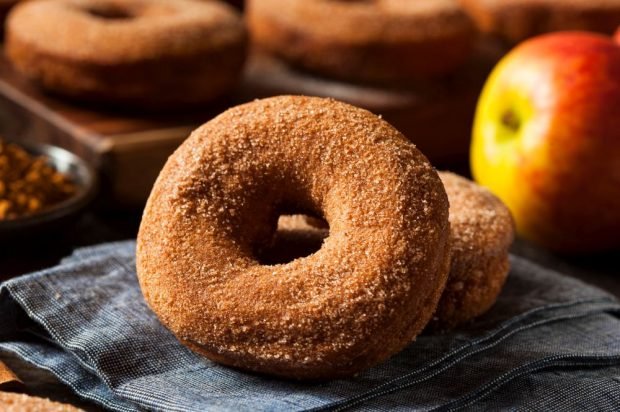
(516, 20)
(153, 54)
(377, 41)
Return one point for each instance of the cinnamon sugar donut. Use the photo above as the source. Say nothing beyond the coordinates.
(482, 231)
(142, 53)
(380, 40)
(516, 20)
(361, 298)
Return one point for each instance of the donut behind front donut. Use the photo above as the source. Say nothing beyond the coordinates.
(482, 232)
(362, 297)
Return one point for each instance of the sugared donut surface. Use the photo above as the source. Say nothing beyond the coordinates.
(482, 231)
(368, 291)
(516, 20)
(143, 53)
(380, 40)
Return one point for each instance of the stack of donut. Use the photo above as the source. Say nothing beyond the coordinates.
(406, 246)
(151, 54)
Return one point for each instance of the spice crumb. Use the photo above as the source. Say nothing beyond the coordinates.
(28, 184)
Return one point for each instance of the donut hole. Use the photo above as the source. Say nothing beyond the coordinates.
(110, 12)
(296, 236)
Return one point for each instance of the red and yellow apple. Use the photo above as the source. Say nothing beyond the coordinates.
(617, 35)
(546, 140)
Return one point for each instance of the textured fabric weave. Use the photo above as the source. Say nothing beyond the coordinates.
(550, 343)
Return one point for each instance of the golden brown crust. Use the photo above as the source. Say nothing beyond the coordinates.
(362, 297)
(482, 231)
(384, 40)
(516, 20)
(149, 53)
(15, 402)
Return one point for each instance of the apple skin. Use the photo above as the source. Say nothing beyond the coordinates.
(617, 35)
(546, 140)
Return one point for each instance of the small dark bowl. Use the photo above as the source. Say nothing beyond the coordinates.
(60, 214)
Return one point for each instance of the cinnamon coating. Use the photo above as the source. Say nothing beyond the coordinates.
(517, 20)
(378, 41)
(150, 54)
(482, 231)
(364, 296)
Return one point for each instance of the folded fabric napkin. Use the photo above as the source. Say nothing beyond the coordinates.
(550, 343)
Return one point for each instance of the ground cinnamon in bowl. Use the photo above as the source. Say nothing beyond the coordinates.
(28, 183)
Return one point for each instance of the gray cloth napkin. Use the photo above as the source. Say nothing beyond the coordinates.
(550, 343)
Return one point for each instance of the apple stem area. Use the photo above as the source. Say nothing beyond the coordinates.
(511, 120)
